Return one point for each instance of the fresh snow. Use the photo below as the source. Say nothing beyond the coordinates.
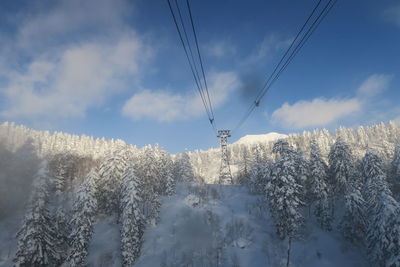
(260, 138)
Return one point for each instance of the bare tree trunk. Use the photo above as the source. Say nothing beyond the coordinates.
(288, 251)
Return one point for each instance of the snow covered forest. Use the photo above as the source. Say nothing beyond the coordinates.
(312, 199)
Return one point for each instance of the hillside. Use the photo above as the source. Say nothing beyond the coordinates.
(324, 196)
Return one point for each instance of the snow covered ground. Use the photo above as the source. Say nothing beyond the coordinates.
(214, 225)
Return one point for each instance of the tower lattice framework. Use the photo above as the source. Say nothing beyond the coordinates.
(225, 175)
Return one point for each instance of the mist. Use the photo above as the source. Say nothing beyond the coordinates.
(17, 172)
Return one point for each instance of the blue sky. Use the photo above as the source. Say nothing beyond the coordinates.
(115, 68)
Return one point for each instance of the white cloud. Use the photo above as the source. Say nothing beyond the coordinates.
(374, 85)
(166, 106)
(162, 106)
(324, 112)
(80, 78)
(76, 55)
(68, 20)
(392, 14)
(317, 112)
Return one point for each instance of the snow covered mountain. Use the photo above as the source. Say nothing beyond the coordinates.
(260, 138)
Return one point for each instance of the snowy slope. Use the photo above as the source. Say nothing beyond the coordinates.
(260, 138)
(214, 225)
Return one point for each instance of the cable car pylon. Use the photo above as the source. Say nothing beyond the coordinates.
(225, 175)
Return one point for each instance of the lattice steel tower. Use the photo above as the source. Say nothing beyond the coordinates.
(225, 175)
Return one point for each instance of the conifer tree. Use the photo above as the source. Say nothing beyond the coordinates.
(375, 179)
(353, 223)
(58, 171)
(62, 230)
(131, 218)
(303, 174)
(183, 168)
(170, 186)
(83, 217)
(148, 170)
(243, 177)
(395, 171)
(283, 193)
(110, 173)
(260, 172)
(37, 238)
(372, 165)
(383, 240)
(303, 168)
(166, 173)
(341, 166)
(318, 190)
(383, 228)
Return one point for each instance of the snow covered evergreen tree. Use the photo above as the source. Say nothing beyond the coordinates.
(383, 238)
(302, 166)
(384, 214)
(283, 192)
(37, 238)
(395, 171)
(303, 173)
(353, 223)
(183, 168)
(170, 186)
(131, 217)
(243, 176)
(58, 167)
(149, 172)
(166, 166)
(341, 166)
(260, 172)
(374, 180)
(84, 210)
(318, 190)
(372, 165)
(110, 172)
(62, 230)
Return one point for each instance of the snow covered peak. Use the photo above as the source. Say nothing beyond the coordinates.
(260, 138)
